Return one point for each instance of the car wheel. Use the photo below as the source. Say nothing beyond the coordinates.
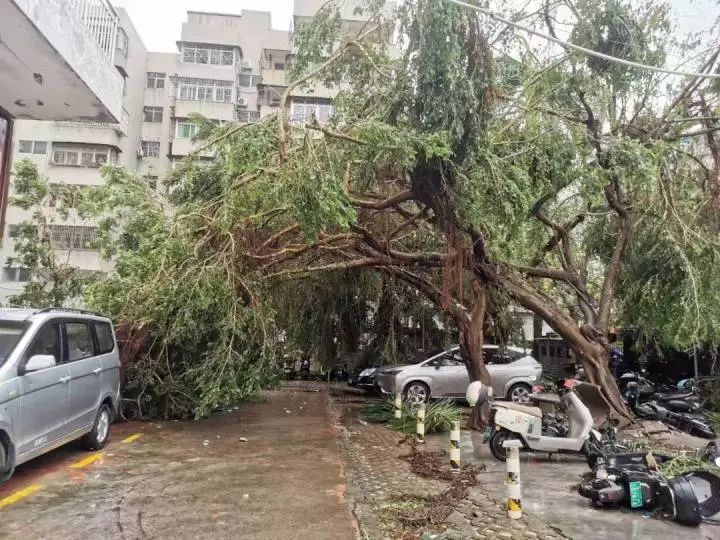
(496, 443)
(417, 393)
(7, 462)
(97, 438)
(519, 393)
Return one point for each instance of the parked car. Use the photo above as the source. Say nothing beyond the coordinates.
(363, 379)
(59, 381)
(512, 372)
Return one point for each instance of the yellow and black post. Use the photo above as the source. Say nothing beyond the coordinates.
(455, 446)
(420, 433)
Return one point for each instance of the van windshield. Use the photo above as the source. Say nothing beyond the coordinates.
(10, 334)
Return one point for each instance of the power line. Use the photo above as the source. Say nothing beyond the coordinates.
(578, 48)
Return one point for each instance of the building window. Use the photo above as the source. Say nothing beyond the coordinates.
(205, 90)
(153, 114)
(32, 147)
(304, 109)
(151, 181)
(248, 81)
(122, 42)
(203, 54)
(81, 157)
(150, 148)
(17, 275)
(72, 236)
(247, 116)
(185, 130)
(155, 80)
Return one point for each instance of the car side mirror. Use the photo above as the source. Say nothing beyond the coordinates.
(39, 362)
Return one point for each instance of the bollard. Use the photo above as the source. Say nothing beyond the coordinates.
(514, 507)
(420, 435)
(398, 405)
(455, 446)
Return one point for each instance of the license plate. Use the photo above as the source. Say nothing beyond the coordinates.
(487, 434)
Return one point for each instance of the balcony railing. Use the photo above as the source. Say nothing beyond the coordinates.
(101, 19)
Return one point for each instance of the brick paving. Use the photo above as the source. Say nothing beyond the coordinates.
(378, 481)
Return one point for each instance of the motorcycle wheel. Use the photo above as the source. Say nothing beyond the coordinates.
(496, 443)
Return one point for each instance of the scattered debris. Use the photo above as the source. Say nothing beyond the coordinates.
(206, 442)
(243, 439)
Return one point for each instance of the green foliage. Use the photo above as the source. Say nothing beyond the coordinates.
(439, 416)
(54, 281)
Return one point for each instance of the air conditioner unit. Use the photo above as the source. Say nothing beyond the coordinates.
(245, 64)
(242, 101)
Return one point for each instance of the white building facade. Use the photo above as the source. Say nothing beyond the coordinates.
(228, 68)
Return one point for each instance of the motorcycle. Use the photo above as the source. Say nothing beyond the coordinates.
(305, 370)
(514, 421)
(679, 410)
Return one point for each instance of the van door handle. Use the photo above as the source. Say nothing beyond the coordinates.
(65, 379)
(97, 371)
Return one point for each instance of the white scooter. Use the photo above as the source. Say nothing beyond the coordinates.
(525, 423)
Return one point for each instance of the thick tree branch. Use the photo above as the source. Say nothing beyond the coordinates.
(612, 194)
(401, 197)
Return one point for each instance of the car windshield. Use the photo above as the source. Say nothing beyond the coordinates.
(10, 334)
(425, 355)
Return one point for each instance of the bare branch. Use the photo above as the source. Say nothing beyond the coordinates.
(395, 200)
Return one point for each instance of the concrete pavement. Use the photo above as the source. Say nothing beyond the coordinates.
(193, 480)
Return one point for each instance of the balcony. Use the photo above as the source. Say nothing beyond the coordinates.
(58, 60)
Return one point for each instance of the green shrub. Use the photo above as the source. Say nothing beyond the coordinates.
(439, 416)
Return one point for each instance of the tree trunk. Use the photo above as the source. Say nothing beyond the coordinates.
(471, 347)
(587, 343)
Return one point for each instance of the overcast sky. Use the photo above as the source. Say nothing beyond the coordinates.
(159, 21)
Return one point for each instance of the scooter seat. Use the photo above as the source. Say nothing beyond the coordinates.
(672, 395)
(532, 411)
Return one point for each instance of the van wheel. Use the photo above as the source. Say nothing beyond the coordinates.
(8, 463)
(97, 438)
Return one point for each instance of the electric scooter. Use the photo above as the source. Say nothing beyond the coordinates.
(514, 421)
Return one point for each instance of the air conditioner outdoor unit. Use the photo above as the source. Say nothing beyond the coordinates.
(241, 101)
(245, 64)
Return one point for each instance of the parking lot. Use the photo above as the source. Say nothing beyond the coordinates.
(243, 473)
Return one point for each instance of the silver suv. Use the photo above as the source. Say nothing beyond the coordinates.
(59, 381)
(444, 375)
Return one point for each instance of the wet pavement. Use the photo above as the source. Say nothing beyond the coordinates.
(193, 479)
(549, 493)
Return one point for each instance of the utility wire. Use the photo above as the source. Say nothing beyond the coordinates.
(578, 48)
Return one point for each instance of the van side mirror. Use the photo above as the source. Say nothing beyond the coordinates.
(39, 362)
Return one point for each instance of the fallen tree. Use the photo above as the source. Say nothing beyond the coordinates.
(474, 181)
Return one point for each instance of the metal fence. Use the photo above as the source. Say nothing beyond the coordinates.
(101, 19)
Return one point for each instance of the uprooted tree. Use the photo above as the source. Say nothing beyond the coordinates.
(467, 163)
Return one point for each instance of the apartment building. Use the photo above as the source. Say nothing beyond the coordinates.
(228, 68)
(71, 149)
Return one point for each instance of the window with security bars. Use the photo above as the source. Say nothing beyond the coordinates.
(153, 114)
(150, 148)
(305, 109)
(78, 156)
(73, 236)
(16, 274)
(206, 54)
(155, 80)
(247, 116)
(32, 147)
(185, 130)
(205, 90)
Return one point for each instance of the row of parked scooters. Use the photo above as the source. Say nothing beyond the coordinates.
(620, 477)
(678, 406)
